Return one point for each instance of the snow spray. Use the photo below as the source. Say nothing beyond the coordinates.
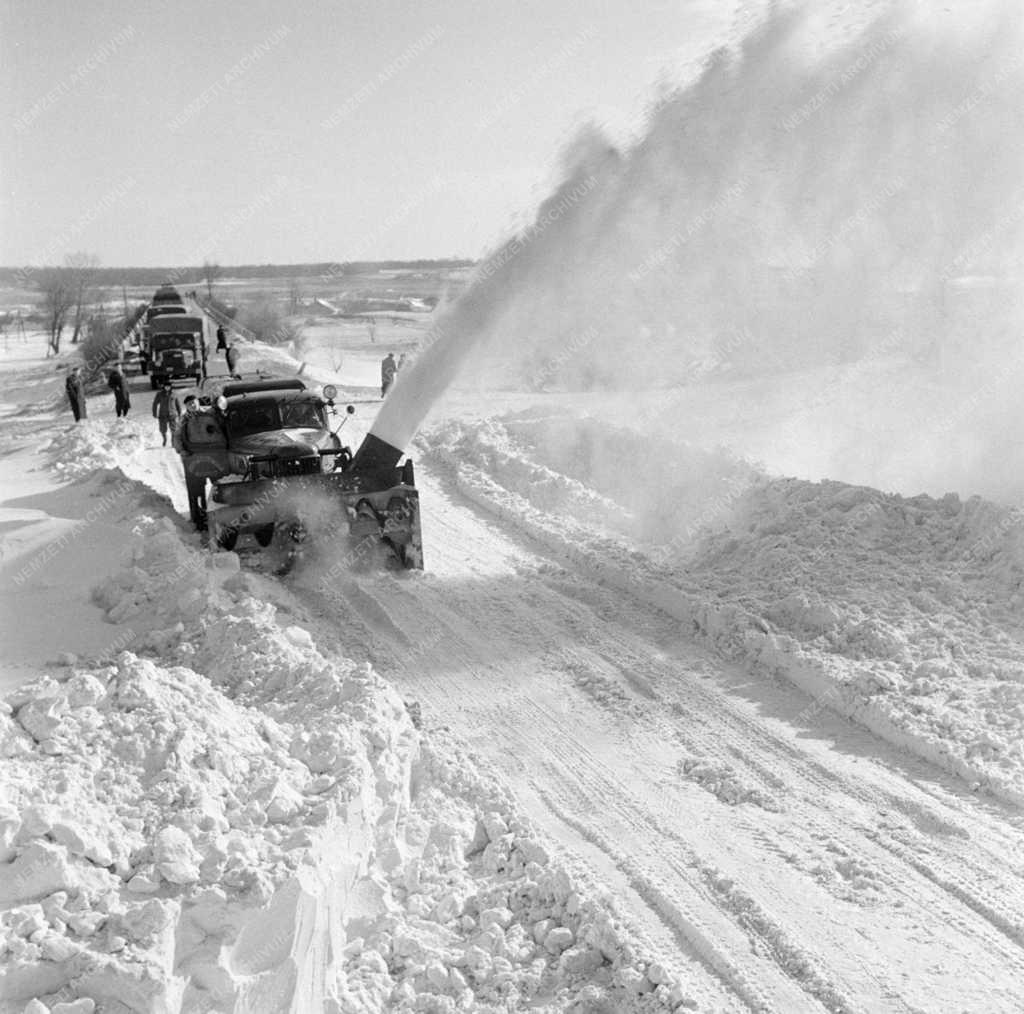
(820, 194)
(467, 321)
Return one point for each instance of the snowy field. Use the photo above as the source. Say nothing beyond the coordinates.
(584, 762)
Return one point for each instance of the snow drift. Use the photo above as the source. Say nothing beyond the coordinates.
(223, 818)
(899, 612)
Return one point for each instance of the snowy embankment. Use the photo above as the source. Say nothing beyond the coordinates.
(222, 818)
(902, 614)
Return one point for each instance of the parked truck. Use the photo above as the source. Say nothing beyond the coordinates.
(175, 348)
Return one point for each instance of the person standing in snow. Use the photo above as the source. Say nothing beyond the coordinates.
(195, 485)
(222, 339)
(231, 358)
(75, 387)
(166, 410)
(388, 369)
(122, 399)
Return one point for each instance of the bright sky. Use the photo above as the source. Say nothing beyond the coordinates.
(152, 133)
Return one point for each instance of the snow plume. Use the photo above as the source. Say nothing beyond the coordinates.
(821, 195)
(807, 196)
(459, 328)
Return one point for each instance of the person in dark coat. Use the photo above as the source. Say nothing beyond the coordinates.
(388, 369)
(222, 339)
(75, 387)
(122, 399)
(195, 485)
(166, 410)
(231, 358)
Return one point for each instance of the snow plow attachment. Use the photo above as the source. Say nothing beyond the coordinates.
(293, 495)
(382, 503)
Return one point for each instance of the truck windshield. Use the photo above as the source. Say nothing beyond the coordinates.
(181, 357)
(255, 418)
(302, 415)
(172, 341)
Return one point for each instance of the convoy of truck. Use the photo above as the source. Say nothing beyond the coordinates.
(268, 453)
(173, 343)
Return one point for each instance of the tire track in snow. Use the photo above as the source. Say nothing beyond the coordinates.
(479, 675)
(793, 960)
(743, 912)
(986, 904)
(990, 904)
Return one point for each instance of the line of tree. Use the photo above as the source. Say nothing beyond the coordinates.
(208, 273)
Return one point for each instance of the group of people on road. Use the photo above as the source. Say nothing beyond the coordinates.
(389, 370)
(175, 418)
(163, 404)
(74, 385)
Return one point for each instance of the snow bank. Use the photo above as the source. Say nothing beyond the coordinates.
(615, 480)
(485, 919)
(225, 819)
(901, 613)
(211, 844)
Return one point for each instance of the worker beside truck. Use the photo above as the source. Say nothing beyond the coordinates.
(202, 443)
(166, 410)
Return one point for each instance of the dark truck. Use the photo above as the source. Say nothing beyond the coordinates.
(280, 474)
(175, 348)
(154, 310)
(167, 293)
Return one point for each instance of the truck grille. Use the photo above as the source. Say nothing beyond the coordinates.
(293, 466)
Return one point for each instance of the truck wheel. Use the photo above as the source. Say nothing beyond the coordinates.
(227, 537)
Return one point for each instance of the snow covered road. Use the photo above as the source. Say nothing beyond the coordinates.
(771, 855)
(767, 848)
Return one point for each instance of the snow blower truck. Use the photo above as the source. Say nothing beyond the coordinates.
(280, 474)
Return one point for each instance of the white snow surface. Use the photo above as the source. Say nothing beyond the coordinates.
(902, 613)
(224, 818)
(216, 798)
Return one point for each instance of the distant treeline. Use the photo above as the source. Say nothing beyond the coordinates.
(194, 276)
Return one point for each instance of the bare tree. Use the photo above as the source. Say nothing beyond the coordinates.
(57, 298)
(82, 270)
(210, 273)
